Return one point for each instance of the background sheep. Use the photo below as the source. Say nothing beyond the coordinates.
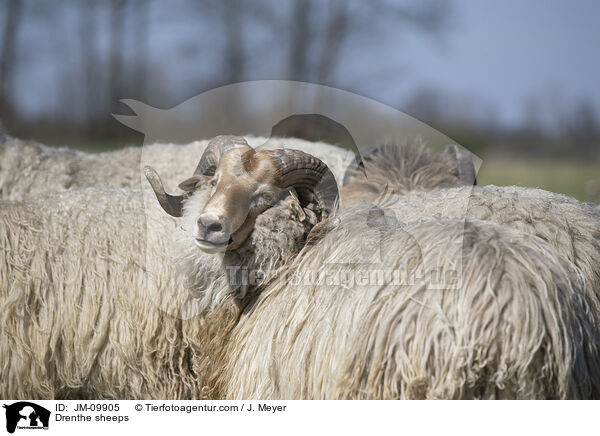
(520, 326)
(570, 226)
(28, 168)
(398, 169)
(396, 174)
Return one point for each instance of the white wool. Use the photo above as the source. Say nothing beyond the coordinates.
(570, 226)
(114, 288)
(28, 168)
(519, 326)
(101, 295)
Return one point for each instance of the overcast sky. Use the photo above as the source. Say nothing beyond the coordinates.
(506, 52)
(497, 54)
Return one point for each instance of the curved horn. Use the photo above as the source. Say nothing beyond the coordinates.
(309, 176)
(172, 204)
(216, 148)
(464, 163)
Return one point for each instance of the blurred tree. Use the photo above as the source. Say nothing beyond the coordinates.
(163, 53)
(89, 65)
(300, 39)
(8, 58)
(337, 30)
(233, 11)
(581, 130)
(319, 30)
(117, 45)
(140, 36)
(306, 41)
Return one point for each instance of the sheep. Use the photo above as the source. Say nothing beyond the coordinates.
(243, 184)
(549, 349)
(570, 226)
(92, 305)
(140, 321)
(82, 316)
(406, 167)
(519, 326)
(28, 168)
(396, 182)
(105, 296)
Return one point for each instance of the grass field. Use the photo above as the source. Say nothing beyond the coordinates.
(574, 178)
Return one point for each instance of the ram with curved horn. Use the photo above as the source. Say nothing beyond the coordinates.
(246, 182)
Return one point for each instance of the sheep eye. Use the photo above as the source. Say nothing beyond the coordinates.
(213, 182)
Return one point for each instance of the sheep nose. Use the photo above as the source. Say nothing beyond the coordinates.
(209, 223)
(212, 229)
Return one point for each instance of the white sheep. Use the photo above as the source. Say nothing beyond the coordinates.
(401, 168)
(28, 168)
(294, 341)
(518, 326)
(395, 181)
(570, 226)
(93, 305)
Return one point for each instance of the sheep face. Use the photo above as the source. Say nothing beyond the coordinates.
(278, 234)
(237, 205)
(244, 185)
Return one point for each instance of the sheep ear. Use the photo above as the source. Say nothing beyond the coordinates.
(194, 182)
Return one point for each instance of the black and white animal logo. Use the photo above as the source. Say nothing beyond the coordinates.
(26, 415)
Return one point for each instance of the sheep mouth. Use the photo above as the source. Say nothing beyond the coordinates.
(210, 247)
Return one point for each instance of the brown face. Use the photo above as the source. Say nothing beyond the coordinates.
(244, 185)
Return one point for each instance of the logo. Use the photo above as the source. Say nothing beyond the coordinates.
(26, 415)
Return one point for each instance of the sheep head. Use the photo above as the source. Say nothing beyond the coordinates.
(244, 183)
(387, 171)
